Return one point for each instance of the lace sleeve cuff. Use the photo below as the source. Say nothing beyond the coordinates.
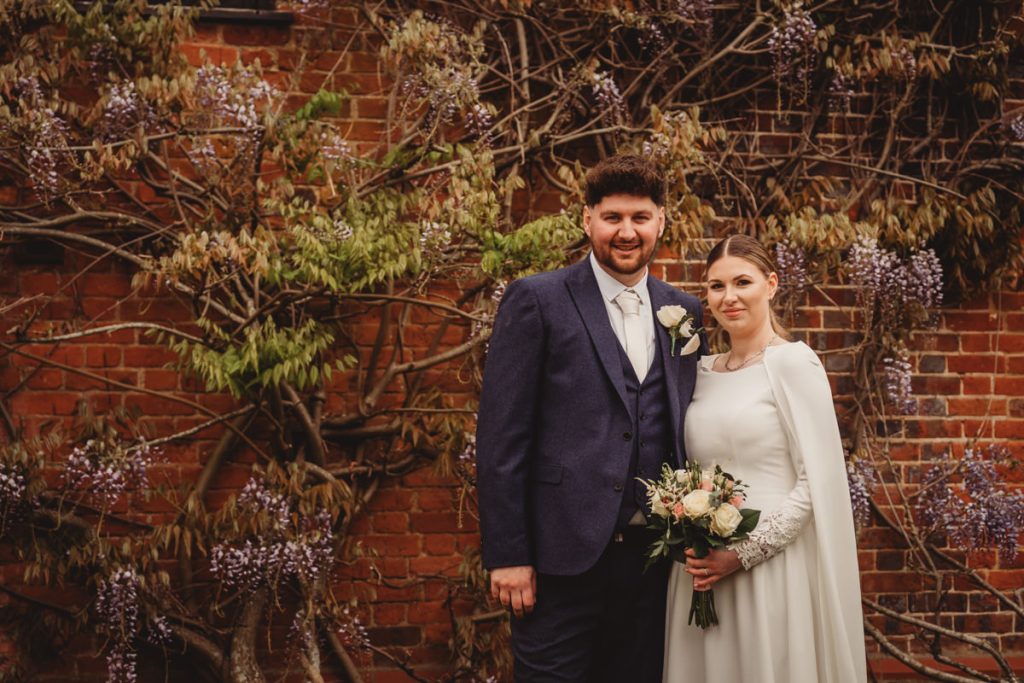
(772, 535)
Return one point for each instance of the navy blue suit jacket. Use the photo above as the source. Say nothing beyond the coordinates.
(552, 459)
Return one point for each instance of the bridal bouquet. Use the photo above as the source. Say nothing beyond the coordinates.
(699, 509)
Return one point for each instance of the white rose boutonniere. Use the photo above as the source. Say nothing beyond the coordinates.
(679, 324)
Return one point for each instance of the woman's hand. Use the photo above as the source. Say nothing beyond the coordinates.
(711, 568)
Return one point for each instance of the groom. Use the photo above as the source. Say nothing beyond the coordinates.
(582, 396)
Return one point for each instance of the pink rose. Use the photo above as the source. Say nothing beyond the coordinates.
(736, 501)
(706, 485)
(678, 510)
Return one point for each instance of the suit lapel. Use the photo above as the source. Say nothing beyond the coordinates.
(587, 297)
(657, 290)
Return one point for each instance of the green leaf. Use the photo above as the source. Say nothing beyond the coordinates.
(750, 520)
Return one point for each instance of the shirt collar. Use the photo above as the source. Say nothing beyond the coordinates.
(611, 288)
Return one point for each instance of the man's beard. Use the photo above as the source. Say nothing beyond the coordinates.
(638, 260)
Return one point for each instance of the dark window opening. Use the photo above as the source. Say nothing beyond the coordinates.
(242, 11)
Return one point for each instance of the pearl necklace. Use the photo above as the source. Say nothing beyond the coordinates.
(749, 358)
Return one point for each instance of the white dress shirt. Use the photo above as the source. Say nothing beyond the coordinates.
(611, 288)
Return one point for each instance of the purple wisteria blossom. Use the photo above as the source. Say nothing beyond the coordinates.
(303, 6)
(697, 13)
(906, 62)
(159, 632)
(862, 479)
(791, 265)
(13, 494)
(978, 512)
(203, 155)
(231, 96)
(499, 292)
(608, 98)
(122, 663)
(651, 37)
(840, 92)
(870, 267)
(480, 121)
(341, 230)
(46, 138)
(792, 46)
(302, 629)
(124, 110)
(434, 236)
(337, 232)
(447, 91)
(879, 274)
(496, 296)
(468, 454)
(334, 148)
(924, 279)
(117, 604)
(241, 566)
(101, 59)
(352, 631)
(107, 469)
(1017, 127)
(898, 384)
(256, 496)
(293, 546)
(901, 290)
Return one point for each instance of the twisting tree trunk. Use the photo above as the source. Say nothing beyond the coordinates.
(242, 664)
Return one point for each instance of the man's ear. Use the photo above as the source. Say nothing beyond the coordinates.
(586, 220)
(661, 220)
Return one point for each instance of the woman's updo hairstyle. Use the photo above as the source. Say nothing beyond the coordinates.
(751, 250)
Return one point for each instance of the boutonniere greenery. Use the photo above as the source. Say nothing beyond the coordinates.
(679, 324)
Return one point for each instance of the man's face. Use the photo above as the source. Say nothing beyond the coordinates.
(624, 231)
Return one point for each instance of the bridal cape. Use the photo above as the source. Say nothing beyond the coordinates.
(804, 399)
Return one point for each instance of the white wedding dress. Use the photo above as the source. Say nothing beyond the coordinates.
(776, 613)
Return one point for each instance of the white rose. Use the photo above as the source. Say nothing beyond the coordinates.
(697, 503)
(725, 519)
(670, 316)
(691, 346)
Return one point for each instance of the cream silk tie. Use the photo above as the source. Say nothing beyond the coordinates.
(628, 302)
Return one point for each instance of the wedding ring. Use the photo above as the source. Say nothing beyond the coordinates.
(706, 572)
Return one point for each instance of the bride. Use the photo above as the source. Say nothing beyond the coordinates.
(788, 597)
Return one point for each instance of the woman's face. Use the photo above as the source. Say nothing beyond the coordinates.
(739, 295)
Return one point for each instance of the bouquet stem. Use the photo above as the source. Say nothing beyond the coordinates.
(702, 607)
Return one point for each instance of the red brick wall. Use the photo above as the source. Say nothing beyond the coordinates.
(969, 377)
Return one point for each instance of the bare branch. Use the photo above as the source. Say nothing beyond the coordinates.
(107, 329)
(910, 661)
(128, 387)
(17, 229)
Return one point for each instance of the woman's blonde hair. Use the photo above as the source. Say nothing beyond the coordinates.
(751, 250)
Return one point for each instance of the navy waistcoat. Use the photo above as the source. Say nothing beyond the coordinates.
(652, 432)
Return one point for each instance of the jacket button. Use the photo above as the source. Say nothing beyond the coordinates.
(626, 436)
(618, 487)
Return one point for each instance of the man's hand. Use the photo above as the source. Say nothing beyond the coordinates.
(515, 588)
